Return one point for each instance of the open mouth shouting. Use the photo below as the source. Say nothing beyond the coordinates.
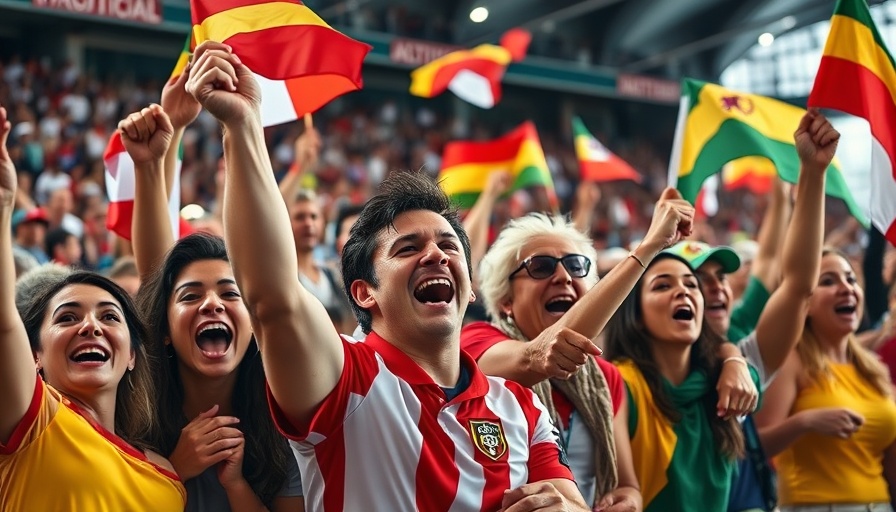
(214, 339)
(90, 355)
(846, 309)
(435, 290)
(683, 313)
(560, 304)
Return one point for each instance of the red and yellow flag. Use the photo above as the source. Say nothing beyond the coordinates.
(857, 75)
(284, 41)
(755, 173)
(473, 75)
(466, 165)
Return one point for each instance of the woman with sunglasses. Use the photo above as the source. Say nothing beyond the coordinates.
(539, 288)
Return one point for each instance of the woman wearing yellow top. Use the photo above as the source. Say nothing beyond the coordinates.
(67, 441)
(830, 416)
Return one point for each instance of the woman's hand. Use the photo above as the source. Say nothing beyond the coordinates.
(832, 421)
(738, 395)
(205, 441)
(7, 169)
(146, 135)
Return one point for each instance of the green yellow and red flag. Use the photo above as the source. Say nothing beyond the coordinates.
(857, 75)
(466, 165)
(596, 162)
(717, 125)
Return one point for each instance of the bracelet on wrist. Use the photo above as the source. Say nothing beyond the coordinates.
(635, 257)
(735, 358)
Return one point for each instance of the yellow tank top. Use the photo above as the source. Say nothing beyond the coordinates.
(62, 461)
(820, 469)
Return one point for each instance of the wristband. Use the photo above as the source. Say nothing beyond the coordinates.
(735, 358)
(636, 258)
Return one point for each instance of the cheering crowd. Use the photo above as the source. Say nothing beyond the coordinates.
(490, 361)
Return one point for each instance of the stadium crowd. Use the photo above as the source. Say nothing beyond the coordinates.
(635, 361)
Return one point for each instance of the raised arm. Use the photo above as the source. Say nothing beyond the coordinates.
(182, 109)
(17, 367)
(476, 223)
(302, 353)
(587, 197)
(569, 338)
(781, 322)
(307, 154)
(146, 136)
(771, 239)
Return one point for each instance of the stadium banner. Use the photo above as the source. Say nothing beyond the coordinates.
(138, 11)
(415, 52)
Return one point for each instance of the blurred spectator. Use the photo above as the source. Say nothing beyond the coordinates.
(29, 229)
(124, 273)
(63, 247)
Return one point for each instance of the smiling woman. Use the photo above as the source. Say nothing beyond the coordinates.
(213, 424)
(87, 340)
(79, 428)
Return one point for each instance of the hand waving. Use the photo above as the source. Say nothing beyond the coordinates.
(7, 169)
(222, 84)
(146, 134)
(816, 141)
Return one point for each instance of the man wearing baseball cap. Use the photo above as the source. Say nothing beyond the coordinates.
(30, 228)
(713, 264)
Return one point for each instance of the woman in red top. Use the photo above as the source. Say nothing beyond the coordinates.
(535, 280)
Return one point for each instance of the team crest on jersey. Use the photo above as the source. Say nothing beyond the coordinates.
(488, 436)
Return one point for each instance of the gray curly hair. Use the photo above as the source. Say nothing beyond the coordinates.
(504, 256)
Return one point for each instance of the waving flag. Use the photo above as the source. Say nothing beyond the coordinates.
(300, 61)
(473, 75)
(718, 125)
(755, 173)
(466, 165)
(857, 76)
(596, 162)
(183, 59)
(120, 181)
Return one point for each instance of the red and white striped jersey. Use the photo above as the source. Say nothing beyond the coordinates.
(387, 439)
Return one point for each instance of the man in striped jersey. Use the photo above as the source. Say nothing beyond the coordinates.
(405, 420)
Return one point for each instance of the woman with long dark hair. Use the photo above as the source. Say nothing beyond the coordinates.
(684, 453)
(214, 422)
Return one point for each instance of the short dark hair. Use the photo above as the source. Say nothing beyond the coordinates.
(399, 193)
(54, 237)
(345, 212)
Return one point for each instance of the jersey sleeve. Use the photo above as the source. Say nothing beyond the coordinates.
(359, 369)
(477, 337)
(614, 382)
(36, 419)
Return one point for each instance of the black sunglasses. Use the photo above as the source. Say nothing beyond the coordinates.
(543, 267)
